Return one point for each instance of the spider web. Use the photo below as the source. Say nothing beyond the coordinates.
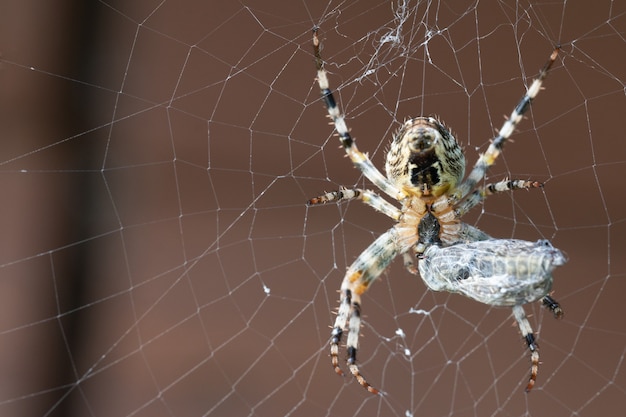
(158, 257)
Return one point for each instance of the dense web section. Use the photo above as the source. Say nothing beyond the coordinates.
(158, 256)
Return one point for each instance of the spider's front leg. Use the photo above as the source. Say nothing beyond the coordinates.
(363, 271)
(529, 337)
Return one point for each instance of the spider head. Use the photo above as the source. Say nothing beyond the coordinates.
(424, 158)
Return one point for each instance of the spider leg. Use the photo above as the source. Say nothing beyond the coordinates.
(366, 196)
(470, 233)
(508, 185)
(493, 188)
(363, 271)
(554, 306)
(409, 263)
(360, 160)
(493, 151)
(529, 337)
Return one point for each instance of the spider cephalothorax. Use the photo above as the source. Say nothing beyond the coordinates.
(425, 167)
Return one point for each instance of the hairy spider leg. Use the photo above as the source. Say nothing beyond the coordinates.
(363, 271)
(480, 193)
(554, 306)
(529, 337)
(366, 196)
(488, 158)
(360, 160)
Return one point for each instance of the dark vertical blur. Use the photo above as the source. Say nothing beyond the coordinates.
(42, 211)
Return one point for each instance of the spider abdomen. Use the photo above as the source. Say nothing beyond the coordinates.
(424, 158)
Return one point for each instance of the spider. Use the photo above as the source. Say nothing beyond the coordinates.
(425, 166)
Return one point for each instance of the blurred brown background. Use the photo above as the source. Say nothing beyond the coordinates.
(157, 255)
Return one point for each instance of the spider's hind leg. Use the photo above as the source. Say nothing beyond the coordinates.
(358, 158)
(492, 153)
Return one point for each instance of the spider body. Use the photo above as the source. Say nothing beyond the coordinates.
(425, 167)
